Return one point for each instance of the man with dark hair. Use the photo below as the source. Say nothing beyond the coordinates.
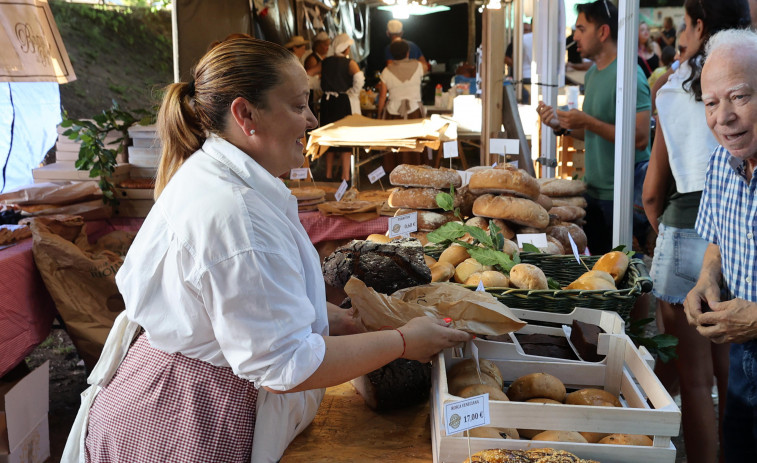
(596, 38)
(394, 32)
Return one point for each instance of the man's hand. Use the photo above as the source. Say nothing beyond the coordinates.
(703, 294)
(547, 115)
(731, 321)
(572, 120)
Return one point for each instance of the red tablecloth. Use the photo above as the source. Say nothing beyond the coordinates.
(27, 310)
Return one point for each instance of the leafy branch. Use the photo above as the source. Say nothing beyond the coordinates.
(662, 346)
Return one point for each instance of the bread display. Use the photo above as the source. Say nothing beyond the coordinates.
(536, 385)
(418, 198)
(615, 263)
(528, 276)
(575, 201)
(424, 177)
(517, 210)
(627, 439)
(560, 436)
(553, 187)
(489, 278)
(504, 179)
(568, 213)
(593, 397)
(428, 220)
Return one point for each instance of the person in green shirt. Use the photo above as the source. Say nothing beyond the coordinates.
(596, 37)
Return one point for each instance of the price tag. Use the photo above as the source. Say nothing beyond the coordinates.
(473, 349)
(450, 149)
(376, 174)
(465, 176)
(466, 414)
(512, 146)
(403, 224)
(301, 173)
(537, 239)
(340, 192)
(514, 164)
(575, 248)
(497, 146)
(480, 286)
(495, 164)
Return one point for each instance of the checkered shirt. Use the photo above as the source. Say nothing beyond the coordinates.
(728, 217)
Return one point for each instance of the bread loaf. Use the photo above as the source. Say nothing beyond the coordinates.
(527, 276)
(627, 439)
(442, 271)
(592, 396)
(561, 187)
(560, 436)
(499, 456)
(417, 198)
(568, 213)
(483, 223)
(504, 179)
(489, 278)
(536, 385)
(545, 201)
(577, 201)
(467, 268)
(429, 260)
(455, 254)
(488, 432)
(428, 220)
(306, 193)
(518, 210)
(554, 246)
(561, 232)
(592, 281)
(424, 177)
(378, 238)
(486, 366)
(615, 263)
(473, 390)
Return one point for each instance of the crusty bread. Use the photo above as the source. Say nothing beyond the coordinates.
(454, 255)
(483, 223)
(542, 385)
(561, 232)
(467, 268)
(417, 198)
(594, 280)
(378, 238)
(486, 366)
(428, 220)
(308, 192)
(568, 213)
(527, 276)
(473, 390)
(560, 436)
(490, 279)
(561, 187)
(615, 263)
(424, 177)
(504, 180)
(518, 210)
(442, 271)
(554, 246)
(545, 201)
(627, 439)
(593, 397)
(577, 201)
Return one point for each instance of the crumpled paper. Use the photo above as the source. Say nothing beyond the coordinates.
(358, 211)
(475, 312)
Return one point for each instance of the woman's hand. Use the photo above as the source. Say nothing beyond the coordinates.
(424, 337)
(342, 321)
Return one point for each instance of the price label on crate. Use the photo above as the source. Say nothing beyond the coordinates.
(376, 174)
(341, 191)
(301, 173)
(403, 225)
(450, 149)
(466, 414)
(537, 239)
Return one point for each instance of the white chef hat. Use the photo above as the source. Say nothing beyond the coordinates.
(341, 42)
(394, 26)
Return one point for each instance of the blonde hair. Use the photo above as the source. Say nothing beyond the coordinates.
(190, 111)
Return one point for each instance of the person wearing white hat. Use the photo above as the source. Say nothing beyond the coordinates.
(394, 32)
(321, 44)
(341, 82)
(298, 46)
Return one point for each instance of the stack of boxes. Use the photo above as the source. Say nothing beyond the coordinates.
(144, 155)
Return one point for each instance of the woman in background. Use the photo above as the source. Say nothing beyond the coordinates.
(649, 51)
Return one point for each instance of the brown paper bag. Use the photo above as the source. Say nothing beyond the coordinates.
(81, 278)
(476, 312)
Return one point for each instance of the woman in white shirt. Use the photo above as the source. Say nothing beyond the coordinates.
(223, 290)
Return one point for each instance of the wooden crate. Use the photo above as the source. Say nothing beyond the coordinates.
(648, 408)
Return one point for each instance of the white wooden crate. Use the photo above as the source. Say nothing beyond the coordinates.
(648, 408)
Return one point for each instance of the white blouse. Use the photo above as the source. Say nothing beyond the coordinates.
(409, 90)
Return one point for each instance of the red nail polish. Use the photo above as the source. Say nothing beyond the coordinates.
(448, 320)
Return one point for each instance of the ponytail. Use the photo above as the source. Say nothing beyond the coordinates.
(179, 131)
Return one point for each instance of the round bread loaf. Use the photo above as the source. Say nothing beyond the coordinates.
(554, 246)
(488, 432)
(483, 223)
(535, 385)
(455, 254)
(518, 210)
(615, 263)
(504, 180)
(577, 201)
(424, 177)
(568, 213)
(442, 271)
(561, 232)
(527, 276)
(627, 439)
(495, 393)
(509, 247)
(428, 220)
(594, 397)
(417, 198)
(561, 187)
(490, 279)
(486, 366)
(593, 437)
(542, 400)
(545, 201)
(560, 436)
(467, 268)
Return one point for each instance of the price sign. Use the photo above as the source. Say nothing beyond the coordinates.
(575, 248)
(537, 239)
(376, 174)
(480, 286)
(504, 146)
(340, 192)
(466, 414)
(300, 173)
(495, 164)
(403, 224)
(465, 176)
(514, 164)
(450, 149)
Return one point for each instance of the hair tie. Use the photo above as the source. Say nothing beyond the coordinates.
(191, 88)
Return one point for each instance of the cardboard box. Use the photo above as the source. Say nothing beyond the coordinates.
(24, 403)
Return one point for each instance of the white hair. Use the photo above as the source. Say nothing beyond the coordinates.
(732, 39)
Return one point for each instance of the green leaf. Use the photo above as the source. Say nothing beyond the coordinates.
(448, 232)
(516, 258)
(445, 201)
(490, 257)
(66, 123)
(665, 340)
(528, 247)
(479, 235)
(553, 284)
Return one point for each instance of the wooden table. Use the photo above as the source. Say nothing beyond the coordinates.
(346, 430)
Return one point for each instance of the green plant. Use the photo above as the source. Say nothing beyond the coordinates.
(94, 156)
(663, 346)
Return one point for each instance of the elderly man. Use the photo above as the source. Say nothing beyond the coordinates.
(723, 304)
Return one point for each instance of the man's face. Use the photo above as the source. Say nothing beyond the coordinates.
(729, 83)
(587, 37)
(322, 46)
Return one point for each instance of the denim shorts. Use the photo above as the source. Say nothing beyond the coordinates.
(678, 257)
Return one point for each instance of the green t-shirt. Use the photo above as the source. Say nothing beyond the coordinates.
(599, 102)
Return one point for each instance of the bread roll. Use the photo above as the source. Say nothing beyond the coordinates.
(442, 271)
(615, 263)
(568, 213)
(504, 179)
(467, 268)
(424, 177)
(577, 201)
(469, 378)
(593, 397)
(593, 280)
(428, 220)
(542, 385)
(560, 436)
(509, 247)
(561, 232)
(455, 254)
(417, 198)
(527, 276)
(377, 238)
(473, 390)
(593, 437)
(545, 201)
(554, 246)
(561, 187)
(543, 400)
(429, 260)
(490, 279)
(486, 366)
(518, 210)
(483, 223)
(627, 439)
(420, 236)
(488, 432)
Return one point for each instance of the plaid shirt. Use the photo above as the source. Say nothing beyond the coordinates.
(728, 217)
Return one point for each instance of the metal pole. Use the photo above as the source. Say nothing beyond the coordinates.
(546, 46)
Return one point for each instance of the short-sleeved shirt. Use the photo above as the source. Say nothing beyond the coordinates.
(599, 103)
(728, 218)
(415, 51)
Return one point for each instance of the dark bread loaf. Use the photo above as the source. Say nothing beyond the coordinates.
(399, 384)
(545, 345)
(585, 338)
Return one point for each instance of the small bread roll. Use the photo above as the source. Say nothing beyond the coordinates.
(560, 436)
(492, 433)
(490, 279)
(510, 247)
(455, 254)
(378, 238)
(486, 366)
(429, 260)
(615, 263)
(593, 437)
(592, 397)
(627, 439)
(442, 271)
(536, 385)
(467, 268)
(527, 276)
(593, 280)
(495, 393)
(554, 246)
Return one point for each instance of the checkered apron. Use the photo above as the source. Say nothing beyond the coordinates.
(170, 408)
